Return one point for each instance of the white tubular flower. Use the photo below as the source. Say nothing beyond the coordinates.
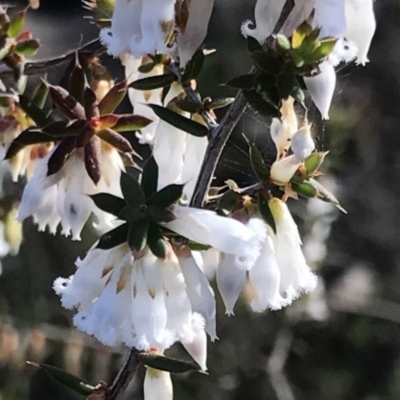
(302, 143)
(63, 197)
(361, 25)
(191, 38)
(206, 227)
(283, 170)
(168, 151)
(141, 301)
(296, 276)
(329, 15)
(197, 348)
(140, 27)
(322, 87)
(266, 14)
(157, 385)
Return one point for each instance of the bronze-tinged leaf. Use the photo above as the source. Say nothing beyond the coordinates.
(77, 82)
(156, 242)
(27, 48)
(67, 104)
(185, 124)
(166, 196)
(26, 35)
(61, 129)
(131, 122)
(131, 190)
(5, 46)
(93, 159)
(114, 237)
(90, 104)
(162, 363)
(137, 235)
(84, 137)
(66, 379)
(153, 82)
(26, 138)
(116, 140)
(107, 121)
(60, 155)
(113, 98)
(109, 203)
(16, 24)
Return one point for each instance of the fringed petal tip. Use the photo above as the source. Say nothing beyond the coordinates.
(60, 285)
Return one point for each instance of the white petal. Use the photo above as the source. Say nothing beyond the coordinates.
(197, 348)
(157, 385)
(283, 170)
(330, 17)
(302, 143)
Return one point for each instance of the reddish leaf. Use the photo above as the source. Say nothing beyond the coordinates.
(93, 159)
(116, 140)
(113, 98)
(130, 122)
(66, 103)
(60, 155)
(108, 121)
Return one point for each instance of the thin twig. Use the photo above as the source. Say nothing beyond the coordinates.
(220, 134)
(124, 376)
(42, 66)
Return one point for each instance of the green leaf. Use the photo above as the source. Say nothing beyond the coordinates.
(153, 82)
(149, 180)
(194, 66)
(133, 213)
(130, 122)
(108, 203)
(5, 46)
(313, 162)
(27, 48)
(148, 67)
(160, 362)
(16, 24)
(304, 189)
(265, 212)
(266, 63)
(283, 42)
(166, 196)
(325, 195)
(113, 98)
(267, 86)
(180, 122)
(286, 84)
(159, 214)
(243, 82)
(114, 237)
(156, 242)
(253, 45)
(257, 161)
(66, 379)
(131, 190)
(77, 83)
(189, 106)
(323, 50)
(197, 246)
(40, 95)
(260, 104)
(33, 111)
(300, 34)
(228, 200)
(137, 235)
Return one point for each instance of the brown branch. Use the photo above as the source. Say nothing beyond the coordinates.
(40, 67)
(220, 134)
(124, 376)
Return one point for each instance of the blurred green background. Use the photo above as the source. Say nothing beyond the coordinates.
(340, 343)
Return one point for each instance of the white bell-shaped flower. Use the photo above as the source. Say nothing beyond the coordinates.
(322, 87)
(329, 16)
(157, 385)
(360, 26)
(266, 15)
(283, 170)
(302, 143)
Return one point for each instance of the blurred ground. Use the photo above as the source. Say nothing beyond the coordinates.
(341, 343)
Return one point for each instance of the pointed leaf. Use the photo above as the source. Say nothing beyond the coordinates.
(159, 214)
(220, 103)
(33, 111)
(147, 67)
(194, 66)
(260, 104)
(93, 159)
(131, 122)
(16, 24)
(167, 196)
(197, 246)
(300, 34)
(90, 104)
(40, 95)
(244, 82)
(149, 180)
(137, 235)
(5, 46)
(180, 122)
(156, 242)
(114, 237)
(162, 363)
(85, 137)
(286, 84)
(131, 190)
(66, 103)
(108, 203)
(77, 83)
(60, 155)
(265, 212)
(325, 195)
(27, 48)
(133, 213)
(313, 162)
(116, 140)
(257, 161)
(304, 189)
(153, 82)
(189, 106)
(267, 63)
(66, 379)
(107, 121)
(113, 98)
